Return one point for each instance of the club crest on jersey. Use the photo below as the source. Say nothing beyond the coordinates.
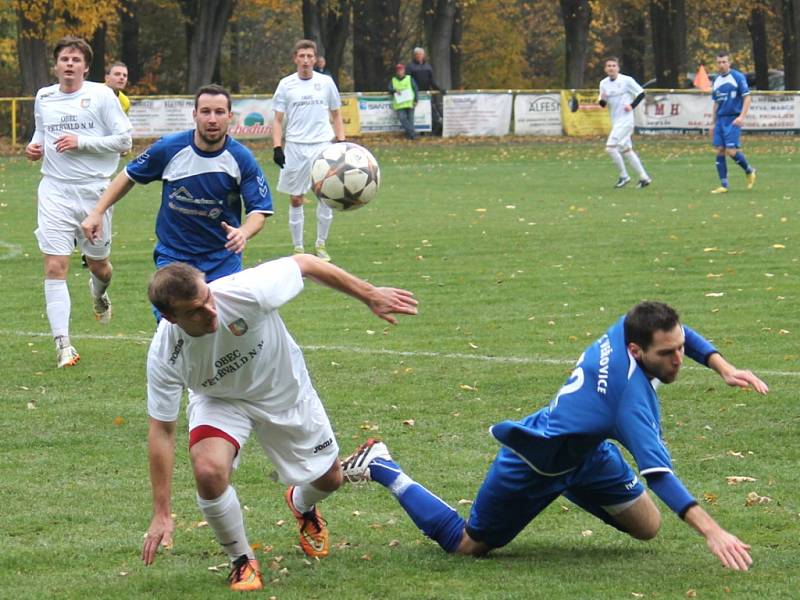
(238, 327)
(85, 102)
(318, 86)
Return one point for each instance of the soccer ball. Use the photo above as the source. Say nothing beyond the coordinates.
(345, 176)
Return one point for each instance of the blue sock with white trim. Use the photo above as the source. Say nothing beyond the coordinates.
(437, 519)
(740, 160)
(722, 170)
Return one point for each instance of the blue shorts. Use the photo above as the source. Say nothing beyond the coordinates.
(214, 265)
(726, 134)
(513, 494)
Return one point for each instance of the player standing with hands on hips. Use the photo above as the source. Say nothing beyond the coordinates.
(304, 105)
(622, 94)
(80, 133)
(227, 344)
(731, 97)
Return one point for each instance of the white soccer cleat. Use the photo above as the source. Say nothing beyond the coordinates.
(355, 468)
(67, 356)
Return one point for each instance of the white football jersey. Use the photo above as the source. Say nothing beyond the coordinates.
(306, 106)
(92, 111)
(251, 357)
(618, 93)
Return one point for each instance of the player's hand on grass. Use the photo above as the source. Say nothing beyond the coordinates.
(66, 142)
(390, 301)
(278, 156)
(745, 378)
(236, 239)
(34, 151)
(732, 552)
(92, 227)
(158, 534)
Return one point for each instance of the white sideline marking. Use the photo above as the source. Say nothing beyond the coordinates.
(510, 360)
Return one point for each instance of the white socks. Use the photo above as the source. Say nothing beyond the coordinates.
(324, 218)
(56, 297)
(616, 157)
(304, 497)
(637, 165)
(296, 222)
(224, 516)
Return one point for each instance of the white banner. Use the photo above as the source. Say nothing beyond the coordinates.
(375, 114)
(252, 118)
(477, 114)
(160, 116)
(676, 112)
(537, 114)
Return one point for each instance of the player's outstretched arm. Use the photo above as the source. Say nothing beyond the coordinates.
(736, 377)
(161, 452)
(92, 225)
(383, 301)
(732, 552)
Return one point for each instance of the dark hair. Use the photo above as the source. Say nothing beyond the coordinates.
(213, 90)
(610, 59)
(175, 281)
(302, 44)
(722, 53)
(118, 63)
(646, 318)
(77, 43)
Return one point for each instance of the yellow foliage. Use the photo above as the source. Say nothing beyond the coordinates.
(54, 19)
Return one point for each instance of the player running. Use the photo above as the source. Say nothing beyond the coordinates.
(622, 94)
(731, 97)
(563, 448)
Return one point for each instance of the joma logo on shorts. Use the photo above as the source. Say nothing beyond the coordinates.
(323, 445)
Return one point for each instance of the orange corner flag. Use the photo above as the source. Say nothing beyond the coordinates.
(701, 80)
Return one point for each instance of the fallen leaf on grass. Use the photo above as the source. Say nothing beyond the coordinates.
(464, 502)
(31, 405)
(587, 533)
(714, 294)
(409, 422)
(710, 498)
(753, 498)
(691, 594)
(394, 543)
(467, 388)
(118, 421)
(737, 479)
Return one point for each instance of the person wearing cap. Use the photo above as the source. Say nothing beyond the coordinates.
(404, 98)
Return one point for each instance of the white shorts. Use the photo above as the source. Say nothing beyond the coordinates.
(62, 207)
(299, 441)
(295, 176)
(620, 136)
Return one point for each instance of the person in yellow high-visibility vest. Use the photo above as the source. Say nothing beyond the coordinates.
(404, 98)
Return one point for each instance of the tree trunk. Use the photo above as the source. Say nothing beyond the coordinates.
(668, 23)
(312, 26)
(33, 57)
(129, 42)
(577, 17)
(455, 49)
(375, 28)
(757, 25)
(97, 70)
(327, 22)
(234, 83)
(791, 43)
(439, 20)
(633, 28)
(206, 22)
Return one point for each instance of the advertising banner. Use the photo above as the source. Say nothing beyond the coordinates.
(537, 114)
(252, 118)
(350, 116)
(477, 114)
(376, 115)
(159, 116)
(589, 119)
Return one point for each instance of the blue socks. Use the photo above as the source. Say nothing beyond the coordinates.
(437, 519)
(740, 160)
(722, 170)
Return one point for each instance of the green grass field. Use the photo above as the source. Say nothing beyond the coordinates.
(520, 255)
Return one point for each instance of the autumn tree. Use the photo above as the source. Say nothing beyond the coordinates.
(206, 21)
(327, 22)
(442, 24)
(790, 11)
(577, 18)
(376, 31)
(668, 25)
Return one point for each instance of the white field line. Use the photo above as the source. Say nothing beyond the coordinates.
(510, 360)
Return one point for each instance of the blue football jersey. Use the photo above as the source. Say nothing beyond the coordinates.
(728, 92)
(200, 190)
(607, 396)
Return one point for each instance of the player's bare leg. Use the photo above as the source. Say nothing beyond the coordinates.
(641, 520)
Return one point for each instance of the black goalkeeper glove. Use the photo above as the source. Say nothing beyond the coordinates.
(278, 156)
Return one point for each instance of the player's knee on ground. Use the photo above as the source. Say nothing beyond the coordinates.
(470, 547)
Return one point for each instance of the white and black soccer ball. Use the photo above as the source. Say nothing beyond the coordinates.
(345, 176)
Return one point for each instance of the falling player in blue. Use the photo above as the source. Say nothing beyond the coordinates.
(206, 175)
(731, 98)
(564, 448)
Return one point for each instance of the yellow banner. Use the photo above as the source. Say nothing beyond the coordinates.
(589, 119)
(352, 124)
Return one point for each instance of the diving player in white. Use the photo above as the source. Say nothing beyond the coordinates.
(622, 94)
(227, 344)
(80, 132)
(564, 448)
(309, 101)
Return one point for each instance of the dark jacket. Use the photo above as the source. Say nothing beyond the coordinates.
(423, 75)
